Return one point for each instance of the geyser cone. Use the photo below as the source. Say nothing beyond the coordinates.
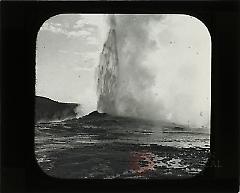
(108, 75)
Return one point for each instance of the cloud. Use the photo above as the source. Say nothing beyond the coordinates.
(82, 29)
(58, 29)
(79, 24)
(89, 20)
(58, 24)
(94, 23)
(47, 26)
(81, 33)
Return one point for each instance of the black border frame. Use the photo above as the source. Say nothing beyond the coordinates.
(20, 22)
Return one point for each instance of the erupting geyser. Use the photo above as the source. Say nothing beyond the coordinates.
(123, 83)
(108, 75)
(138, 75)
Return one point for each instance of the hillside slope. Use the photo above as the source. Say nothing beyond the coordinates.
(50, 110)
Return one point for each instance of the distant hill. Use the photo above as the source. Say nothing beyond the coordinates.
(50, 110)
(96, 114)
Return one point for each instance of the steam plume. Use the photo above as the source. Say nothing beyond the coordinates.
(126, 81)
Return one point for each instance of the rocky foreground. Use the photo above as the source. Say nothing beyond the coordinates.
(106, 147)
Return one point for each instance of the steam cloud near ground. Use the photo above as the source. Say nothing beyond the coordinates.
(141, 91)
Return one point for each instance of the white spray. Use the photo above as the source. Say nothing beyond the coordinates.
(126, 83)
